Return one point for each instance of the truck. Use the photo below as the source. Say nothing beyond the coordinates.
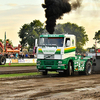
(57, 52)
(94, 53)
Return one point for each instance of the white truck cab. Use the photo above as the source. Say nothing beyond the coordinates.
(56, 46)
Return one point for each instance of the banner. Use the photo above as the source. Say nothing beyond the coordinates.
(21, 60)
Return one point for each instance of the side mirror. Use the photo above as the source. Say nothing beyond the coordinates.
(36, 44)
(68, 43)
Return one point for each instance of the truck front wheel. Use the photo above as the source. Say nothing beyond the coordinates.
(69, 71)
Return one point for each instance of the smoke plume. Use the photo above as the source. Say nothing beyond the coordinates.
(54, 9)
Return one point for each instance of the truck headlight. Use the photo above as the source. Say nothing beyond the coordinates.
(38, 62)
(59, 62)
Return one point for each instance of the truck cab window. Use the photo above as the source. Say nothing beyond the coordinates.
(67, 42)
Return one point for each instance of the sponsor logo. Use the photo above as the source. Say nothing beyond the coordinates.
(48, 51)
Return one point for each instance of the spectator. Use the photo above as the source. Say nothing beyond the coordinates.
(6, 54)
(16, 55)
(26, 56)
(11, 55)
(22, 55)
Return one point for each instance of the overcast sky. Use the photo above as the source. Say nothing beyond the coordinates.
(15, 13)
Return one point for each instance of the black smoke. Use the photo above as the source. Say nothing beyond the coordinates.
(54, 9)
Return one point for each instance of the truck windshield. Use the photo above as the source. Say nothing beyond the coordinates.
(51, 41)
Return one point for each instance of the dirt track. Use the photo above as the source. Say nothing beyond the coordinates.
(51, 87)
(24, 69)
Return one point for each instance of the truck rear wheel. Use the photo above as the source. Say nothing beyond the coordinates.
(88, 68)
(2, 60)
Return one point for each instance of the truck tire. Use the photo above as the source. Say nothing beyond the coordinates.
(44, 73)
(69, 71)
(2, 60)
(88, 68)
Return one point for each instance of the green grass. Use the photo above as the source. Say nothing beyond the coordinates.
(23, 74)
(18, 64)
(19, 75)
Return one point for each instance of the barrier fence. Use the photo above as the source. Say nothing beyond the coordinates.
(30, 60)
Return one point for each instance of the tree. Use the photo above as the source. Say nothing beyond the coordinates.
(23, 34)
(97, 36)
(29, 32)
(79, 32)
(59, 29)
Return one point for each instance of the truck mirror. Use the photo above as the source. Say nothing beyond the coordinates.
(68, 43)
(36, 44)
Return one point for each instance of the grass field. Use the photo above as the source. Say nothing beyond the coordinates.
(23, 74)
(19, 75)
(18, 64)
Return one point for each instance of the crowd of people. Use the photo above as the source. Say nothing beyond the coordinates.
(20, 55)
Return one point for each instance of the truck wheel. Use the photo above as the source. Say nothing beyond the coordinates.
(70, 69)
(88, 68)
(44, 73)
(2, 60)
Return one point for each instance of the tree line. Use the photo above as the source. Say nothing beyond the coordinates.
(29, 32)
(97, 36)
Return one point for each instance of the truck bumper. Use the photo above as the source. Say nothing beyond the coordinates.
(44, 70)
(51, 68)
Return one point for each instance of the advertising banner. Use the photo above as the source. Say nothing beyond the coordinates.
(21, 60)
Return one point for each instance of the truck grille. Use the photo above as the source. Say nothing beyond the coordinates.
(47, 62)
(49, 56)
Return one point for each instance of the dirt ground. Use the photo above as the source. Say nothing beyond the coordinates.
(11, 70)
(51, 87)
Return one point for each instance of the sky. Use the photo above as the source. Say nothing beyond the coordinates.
(15, 13)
